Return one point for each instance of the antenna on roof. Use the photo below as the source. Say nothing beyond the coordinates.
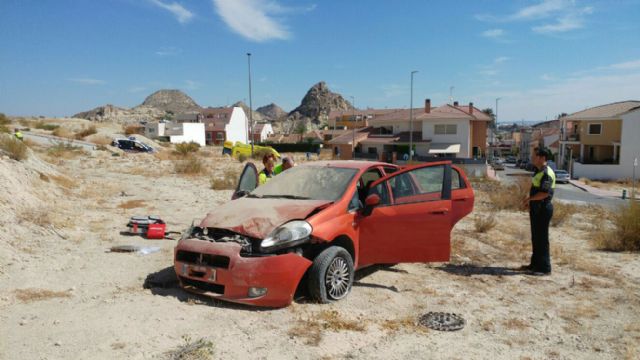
(451, 94)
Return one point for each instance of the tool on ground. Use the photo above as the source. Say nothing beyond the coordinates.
(151, 227)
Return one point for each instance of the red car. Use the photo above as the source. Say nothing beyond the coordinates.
(318, 223)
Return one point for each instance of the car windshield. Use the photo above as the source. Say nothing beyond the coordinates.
(307, 183)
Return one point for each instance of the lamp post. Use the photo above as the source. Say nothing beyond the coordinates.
(493, 131)
(411, 119)
(250, 105)
(353, 142)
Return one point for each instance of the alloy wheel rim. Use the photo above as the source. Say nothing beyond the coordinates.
(337, 278)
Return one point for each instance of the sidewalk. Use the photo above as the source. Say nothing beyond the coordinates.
(597, 191)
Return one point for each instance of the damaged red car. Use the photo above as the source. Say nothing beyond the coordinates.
(314, 225)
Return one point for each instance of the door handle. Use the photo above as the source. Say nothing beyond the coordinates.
(461, 199)
(441, 211)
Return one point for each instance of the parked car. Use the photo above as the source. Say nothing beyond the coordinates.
(131, 145)
(562, 176)
(498, 165)
(318, 223)
(510, 160)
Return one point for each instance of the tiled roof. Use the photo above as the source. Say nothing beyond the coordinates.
(608, 111)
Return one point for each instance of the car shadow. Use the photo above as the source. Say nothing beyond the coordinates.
(165, 283)
(470, 269)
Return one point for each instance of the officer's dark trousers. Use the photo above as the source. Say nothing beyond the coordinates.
(540, 213)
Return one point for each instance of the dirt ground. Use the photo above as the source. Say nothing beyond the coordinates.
(64, 296)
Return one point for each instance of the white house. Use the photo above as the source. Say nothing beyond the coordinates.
(225, 124)
(602, 142)
(185, 132)
(261, 132)
(154, 130)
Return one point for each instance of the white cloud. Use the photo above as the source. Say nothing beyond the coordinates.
(571, 21)
(87, 81)
(253, 19)
(180, 12)
(629, 65)
(168, 51)
(543, 9)
(493, 33)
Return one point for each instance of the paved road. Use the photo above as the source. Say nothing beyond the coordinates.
(49, 140)
(566, 192)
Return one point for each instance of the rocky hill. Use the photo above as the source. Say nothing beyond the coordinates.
(272, 112)
(318, 99)
(173, 101)
(111, 113)
(256, 115)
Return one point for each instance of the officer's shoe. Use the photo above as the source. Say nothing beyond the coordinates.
(525, 268)
(539, 273)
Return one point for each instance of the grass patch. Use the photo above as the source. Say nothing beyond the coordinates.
(185, 149)
(624, 235)
(13, 147)
(30, 295)
(509, 197)
(132, 204)
(200, 349)
(64, 181)
(562, 212)
(189, 166)
(86, 131)
(406, 323)
(44, 126)
(4, 122)
(229, 180)
(311, 329)
(63, 132)
(484, 223)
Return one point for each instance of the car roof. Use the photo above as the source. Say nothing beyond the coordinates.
(350, 164)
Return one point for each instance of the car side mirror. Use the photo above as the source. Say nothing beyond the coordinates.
(370, 202)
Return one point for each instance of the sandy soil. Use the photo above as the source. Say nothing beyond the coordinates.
(63, 296)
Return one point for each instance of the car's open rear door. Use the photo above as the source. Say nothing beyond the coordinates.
(248, 181)
(412, 223)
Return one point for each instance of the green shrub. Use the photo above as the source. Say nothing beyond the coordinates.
(185, 149)
(13, 147)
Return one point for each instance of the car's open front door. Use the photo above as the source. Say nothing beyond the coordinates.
(248, 181)
(412, 223)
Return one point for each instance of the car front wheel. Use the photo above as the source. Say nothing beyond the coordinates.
(331, 275)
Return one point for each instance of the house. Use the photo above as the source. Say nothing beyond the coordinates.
(261, 132)
(545, 134)
(349, 119)
(154, 130)
(225, 124)
(601, 142)
(185, 132)
(188, 118)
(444, 131)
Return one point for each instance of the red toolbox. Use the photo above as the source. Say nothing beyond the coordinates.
(151, 227)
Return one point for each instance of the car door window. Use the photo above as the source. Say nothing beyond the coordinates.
(248, 180)
(355, 202)
(365, 180)
(456, 180)
(422, 184)
(382, 191)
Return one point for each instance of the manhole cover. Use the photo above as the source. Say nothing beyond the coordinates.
(442, 321)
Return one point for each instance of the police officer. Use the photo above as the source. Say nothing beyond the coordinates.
(18, 134)
(540, 207)
(269, 162)
(287, 163)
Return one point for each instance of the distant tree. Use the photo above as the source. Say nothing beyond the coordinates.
(562, 115)
(301, 128)
(488, 111)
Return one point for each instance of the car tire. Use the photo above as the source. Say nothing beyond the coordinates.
(331, 275)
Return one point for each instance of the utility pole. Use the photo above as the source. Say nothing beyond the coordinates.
(411, 119)
(353, 142)
(250, 105)
(633, 188)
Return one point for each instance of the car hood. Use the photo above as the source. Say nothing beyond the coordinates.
(258, 217)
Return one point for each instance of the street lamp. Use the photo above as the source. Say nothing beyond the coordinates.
(411, 119)
(353, 143)
(493, 131)
(250, 105)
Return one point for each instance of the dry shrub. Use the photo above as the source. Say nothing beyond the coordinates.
(229, 180)
(31, 294)
(484, 223)
(242, 158)
(625, 234)
(132, 204)
(331, 320)
(86, 131)
(406, 323)
(516, 324)
(311, 329)
(131, 129)
(101, 140)
(185, 149)
(65, 150)
(44, 126)
(200, 349)
(13, 147)
(64, 181)
(36, 216)
(189, 166)
(561, 212)
(510, 197)
(63, 132)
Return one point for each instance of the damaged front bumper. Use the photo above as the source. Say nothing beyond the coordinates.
(217, 269)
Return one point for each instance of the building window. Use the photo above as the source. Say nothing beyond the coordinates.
(595, 129)
(219, 136)
(445, 129)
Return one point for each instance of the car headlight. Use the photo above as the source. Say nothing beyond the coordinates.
(290, 234)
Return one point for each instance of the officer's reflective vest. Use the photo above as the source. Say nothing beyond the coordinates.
(19, 135)
(537, 178)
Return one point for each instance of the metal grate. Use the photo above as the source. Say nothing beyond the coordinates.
(217, 261)
(214, 288)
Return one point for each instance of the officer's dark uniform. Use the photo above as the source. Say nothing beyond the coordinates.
(540, 213)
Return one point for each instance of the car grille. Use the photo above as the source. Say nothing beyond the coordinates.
(217, 261)
(214, 288)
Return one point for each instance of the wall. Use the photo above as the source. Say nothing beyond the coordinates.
(153, 130)
(611, 131)
(462, 136)
(236, 129)
(479, 135)
(190, 132)
(630, 144)
(603, 172)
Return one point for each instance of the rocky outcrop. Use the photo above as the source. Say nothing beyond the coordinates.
(256, 116)
(111, 113)
(272, 112)
(171, 101)
(319, 99)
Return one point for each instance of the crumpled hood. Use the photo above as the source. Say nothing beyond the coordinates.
(258, 217)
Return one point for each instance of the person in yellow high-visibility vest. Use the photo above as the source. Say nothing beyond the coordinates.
(269, 162)
(540, 207)
(18, 134)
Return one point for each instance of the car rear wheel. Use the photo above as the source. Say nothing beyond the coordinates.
(331, 275)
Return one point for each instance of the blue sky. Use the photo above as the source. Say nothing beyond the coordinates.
(540, 57)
